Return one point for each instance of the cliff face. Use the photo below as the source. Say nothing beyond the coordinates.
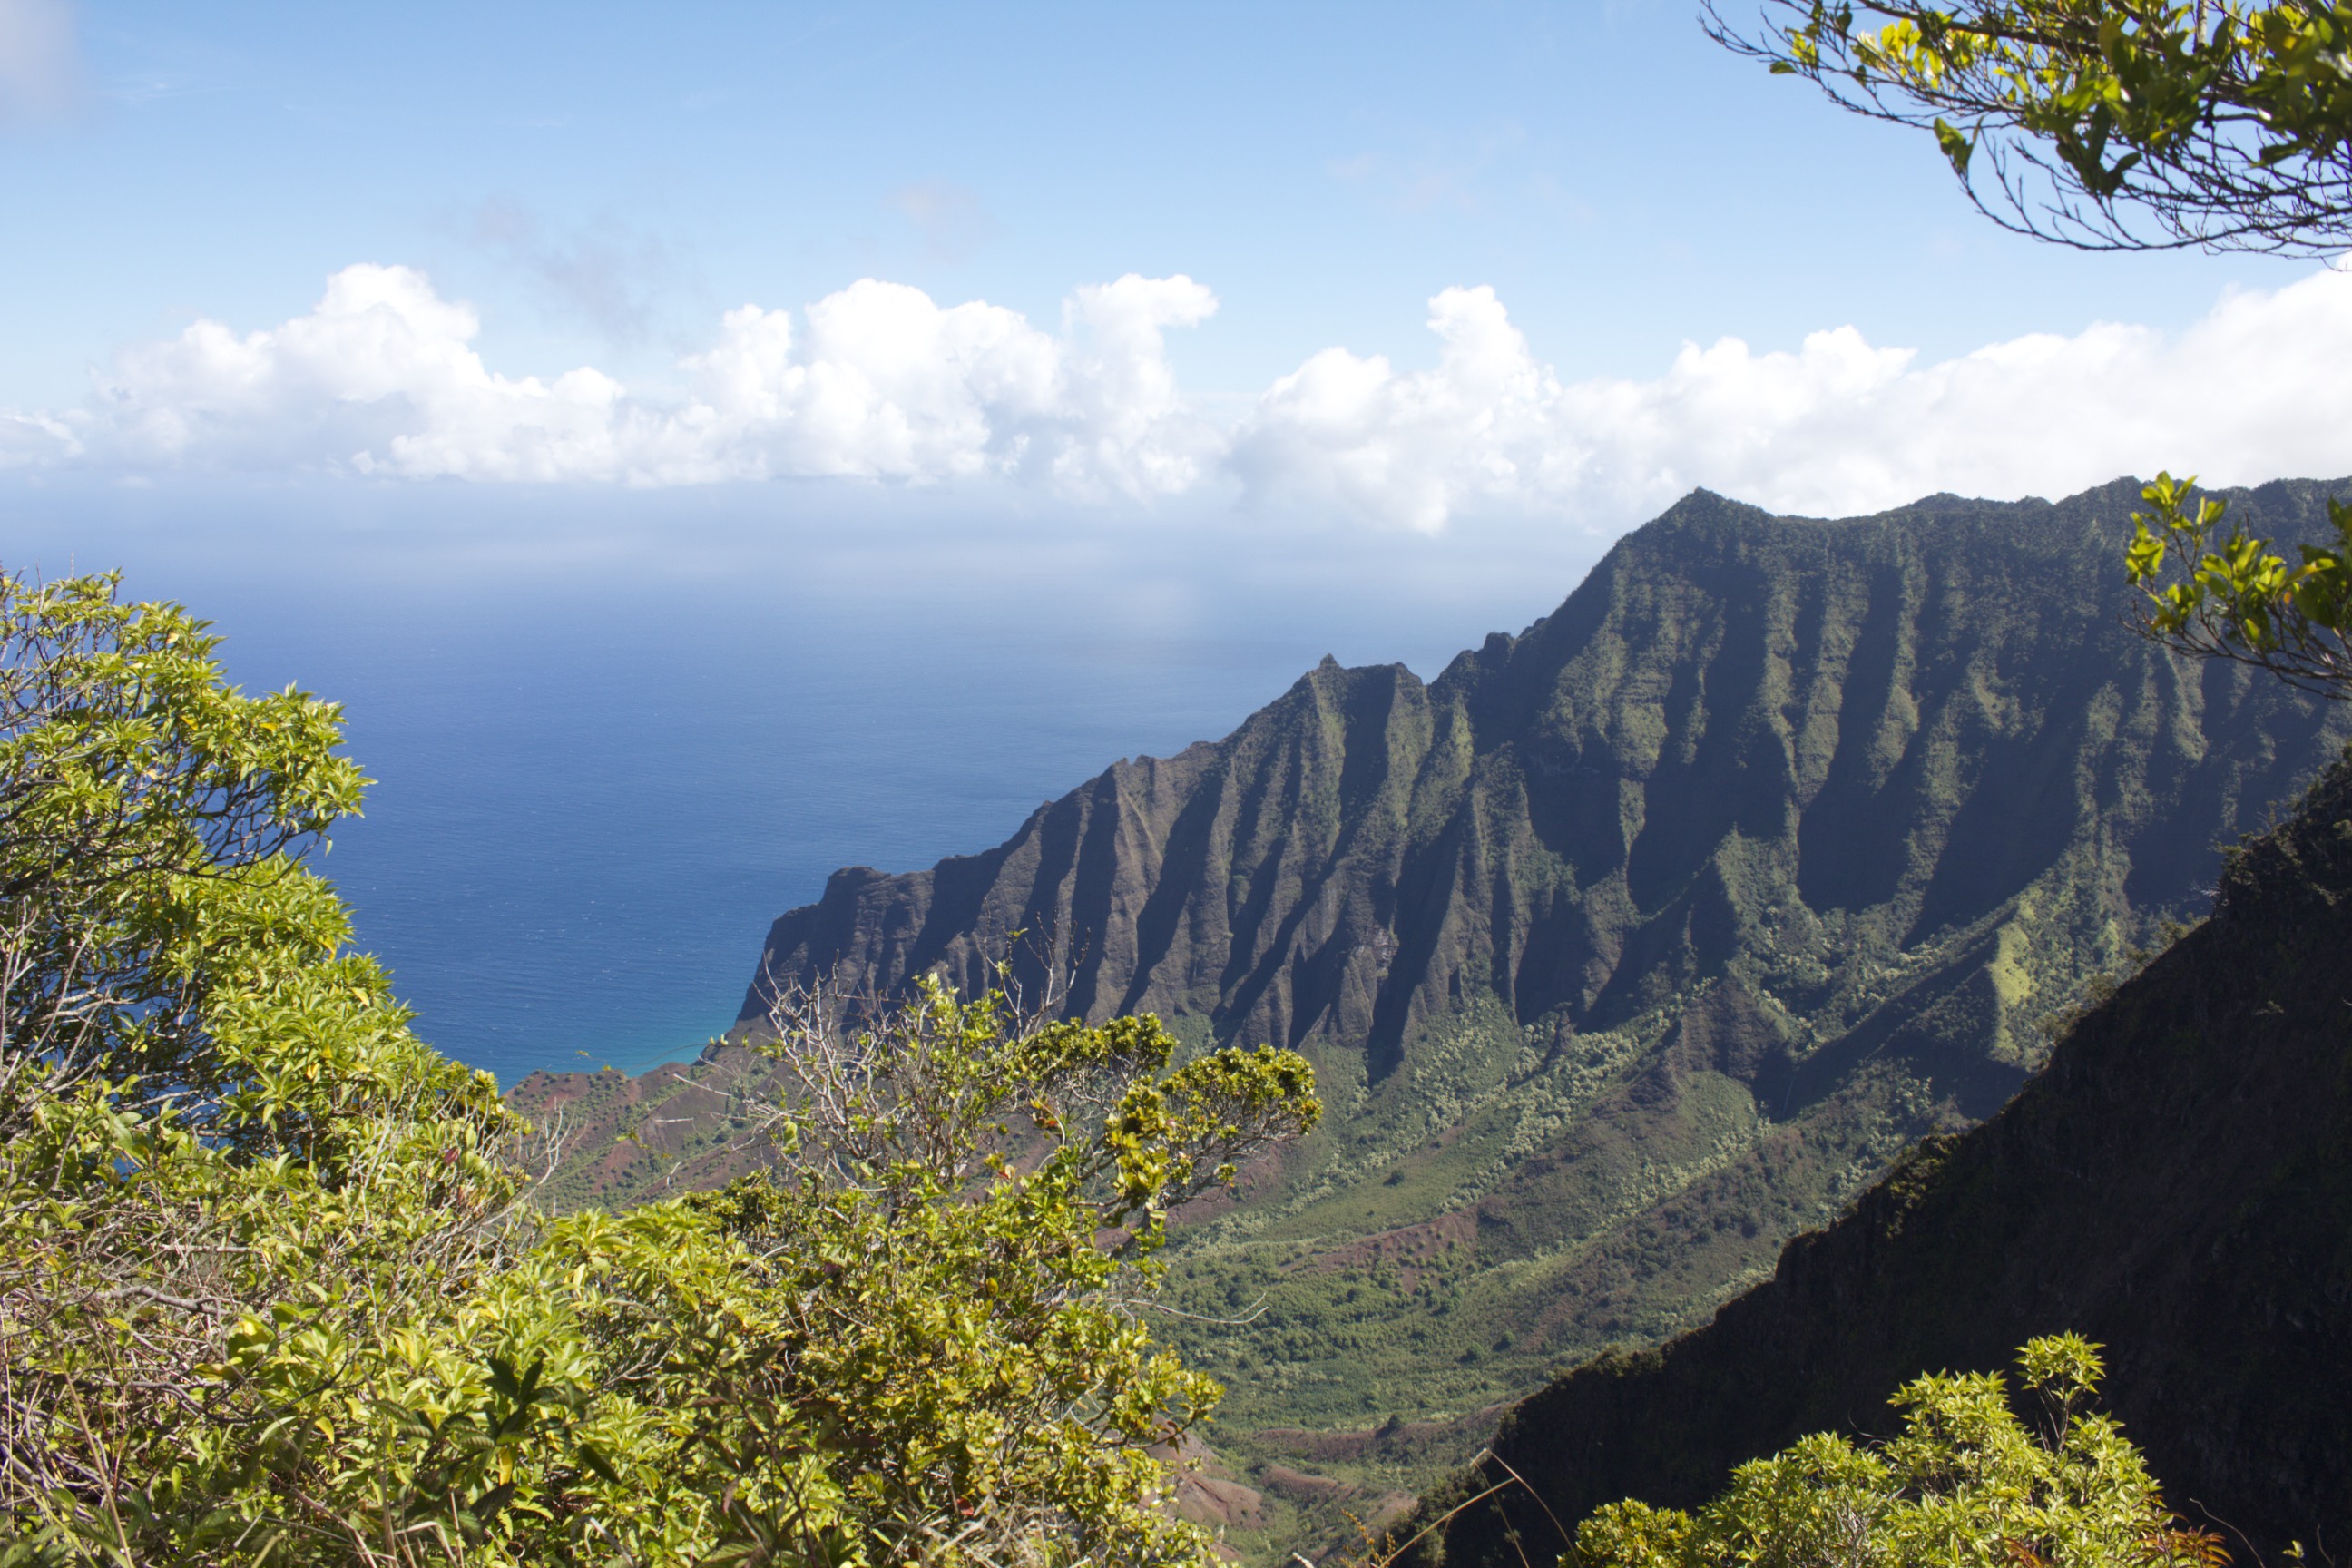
(2177, 1184)
(1634, 945)
(1627, 948)
(1747, 746)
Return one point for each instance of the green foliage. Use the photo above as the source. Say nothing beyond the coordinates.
(273, 1289)
(1966, 1483)
(145, 816)
(2235, 597)
(2109, 125)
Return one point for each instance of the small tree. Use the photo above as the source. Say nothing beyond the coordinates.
(217, 1136)
(149, 824)
(921, 1335)
(1966, 1484)
(272, 1290)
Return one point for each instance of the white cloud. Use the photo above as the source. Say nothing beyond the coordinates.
(2253, 390)
(880, 381)
(382, 378)
(379, 377)
(890, 385)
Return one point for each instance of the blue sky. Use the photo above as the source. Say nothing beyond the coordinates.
(598, 185)
(706, 445)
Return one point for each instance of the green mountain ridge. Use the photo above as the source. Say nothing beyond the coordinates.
(1582, 819)
(2174, 1184)
(1626, 949)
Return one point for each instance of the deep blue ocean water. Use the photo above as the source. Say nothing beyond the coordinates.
(615, 736)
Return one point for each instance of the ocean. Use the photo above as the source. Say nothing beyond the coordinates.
(614, 735)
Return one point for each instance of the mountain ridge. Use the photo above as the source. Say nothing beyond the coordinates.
(1627, 947)
(1104, 867)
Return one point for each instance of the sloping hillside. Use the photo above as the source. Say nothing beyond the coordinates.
(1627, 948)
(2177, 1184)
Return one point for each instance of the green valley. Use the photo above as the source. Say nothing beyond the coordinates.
(1626, 949)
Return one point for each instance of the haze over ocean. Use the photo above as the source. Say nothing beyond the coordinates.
(614, 736)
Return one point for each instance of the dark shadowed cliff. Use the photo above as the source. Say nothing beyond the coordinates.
(2176, 1183)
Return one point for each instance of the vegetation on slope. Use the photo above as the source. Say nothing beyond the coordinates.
(2123, 124)
(1626, 949)
(272, 1290)
(1966, 1484)
(2173, 1184)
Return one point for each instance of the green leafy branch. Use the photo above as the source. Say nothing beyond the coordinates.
(2107, 124)
(2227, 594)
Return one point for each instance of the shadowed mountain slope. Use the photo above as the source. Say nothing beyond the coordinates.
(1626, 949)
(2177, 1184)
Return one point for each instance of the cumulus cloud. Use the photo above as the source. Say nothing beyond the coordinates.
(880, 381)
(2253, 391)
(379, 377)
(890, 385)
(382, 378)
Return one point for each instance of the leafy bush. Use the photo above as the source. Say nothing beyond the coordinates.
(273, 1290)
(1967, 1482)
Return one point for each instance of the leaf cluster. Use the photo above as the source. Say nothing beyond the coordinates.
(2104, 124)
(2234, 595)
(147, 814)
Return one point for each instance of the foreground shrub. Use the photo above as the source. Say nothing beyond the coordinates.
(272, 1290)
(1967, 1483)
